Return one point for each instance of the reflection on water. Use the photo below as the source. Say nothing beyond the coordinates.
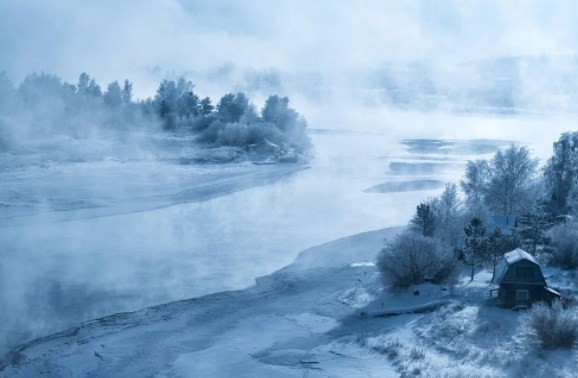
(55, 275)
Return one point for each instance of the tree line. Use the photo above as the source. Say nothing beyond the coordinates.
(46, 104)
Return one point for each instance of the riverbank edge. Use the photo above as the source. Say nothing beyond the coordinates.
(320, 257)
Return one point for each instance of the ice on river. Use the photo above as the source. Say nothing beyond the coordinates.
(64, 261)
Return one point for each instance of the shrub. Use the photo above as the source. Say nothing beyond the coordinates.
(553, 327)
(241, 134)
(565, 246)
(233, 134)
(411, 258)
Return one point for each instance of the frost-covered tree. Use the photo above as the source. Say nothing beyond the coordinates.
(564, 239)
(448, 217)
(474, 185)
(126, 93)
(113, 95)
(423, 222)
(496, 244)
(411, 259)
(186, 99)
(83, 82)
(41, 88)
(88, 86)
(206, 107)
(509, 186)
(233, 107)
(277, 111)
(532, 226)
(561, 171)
(165, 102)
(475, 233)
(571, 205)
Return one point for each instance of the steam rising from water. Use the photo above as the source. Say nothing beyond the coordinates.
(390, 69)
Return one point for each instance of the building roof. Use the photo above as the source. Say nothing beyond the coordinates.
(518, 255)
(512, 258)
(553, 291)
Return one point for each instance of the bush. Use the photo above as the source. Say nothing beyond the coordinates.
(411, 259)
(242, 134)
(553, 327)
(565, 246)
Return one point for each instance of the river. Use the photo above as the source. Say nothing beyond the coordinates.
(54, 275)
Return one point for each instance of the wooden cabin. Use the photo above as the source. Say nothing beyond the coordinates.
(521, 281)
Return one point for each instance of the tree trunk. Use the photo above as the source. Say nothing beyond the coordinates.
(473, 265)
(494, 267)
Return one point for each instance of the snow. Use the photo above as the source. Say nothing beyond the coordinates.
(356, 297)
(519, 255)
(304, 321)
(279, 327)
(69, 264)
(512, 258)
(361, 264)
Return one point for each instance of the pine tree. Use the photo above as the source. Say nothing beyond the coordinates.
(424, 220)
(496, 244)
(126, 93)
(561, 172)
(205, 107)
(532, 226)
(475, 241)
(113, 95)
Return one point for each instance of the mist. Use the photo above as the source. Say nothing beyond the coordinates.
(373, 107)
(321, 50)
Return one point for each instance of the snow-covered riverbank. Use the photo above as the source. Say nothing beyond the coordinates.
(54, 275)
(270, 329)
(311, 318)
(61, 266)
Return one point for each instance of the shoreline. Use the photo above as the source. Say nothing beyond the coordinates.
(313, 264)
(255, 177)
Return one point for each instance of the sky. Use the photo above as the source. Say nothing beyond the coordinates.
(148, 40)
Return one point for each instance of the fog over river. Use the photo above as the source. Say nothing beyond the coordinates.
(56, 274)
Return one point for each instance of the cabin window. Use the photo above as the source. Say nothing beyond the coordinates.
(522, 295)
(524, 272)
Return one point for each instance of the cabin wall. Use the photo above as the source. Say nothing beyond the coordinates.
(509, 294)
